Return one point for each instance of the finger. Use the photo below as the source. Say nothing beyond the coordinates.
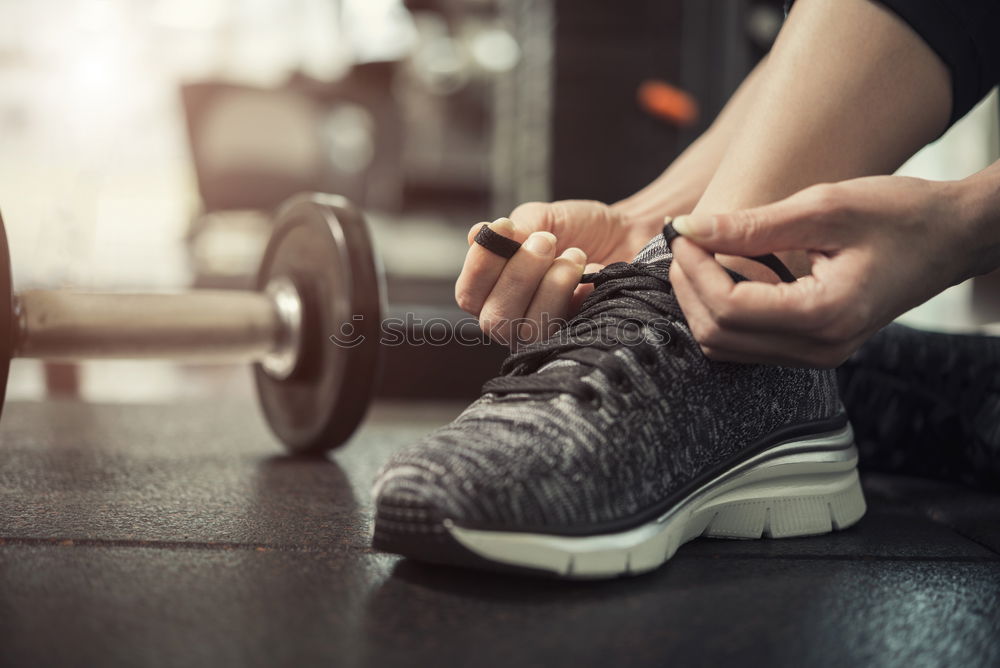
(551, 303)
(514, 289)
(786, 351)
(697, 316)
(794, 223)
(700, 321)
(802, 306)
(749, 347)
(473, 231)
(482, 268)
(790, 350)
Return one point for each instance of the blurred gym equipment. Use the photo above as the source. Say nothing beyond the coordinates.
(311, 328)
(254, 147)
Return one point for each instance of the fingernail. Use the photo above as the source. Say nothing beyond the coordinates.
(541, 243)
(575, 255)
(696, 227)
(504, 226)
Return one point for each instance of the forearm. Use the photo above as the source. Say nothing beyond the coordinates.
(978, 198)
(681, 185)
(850, 90)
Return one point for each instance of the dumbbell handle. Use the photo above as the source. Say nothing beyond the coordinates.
(200, 325)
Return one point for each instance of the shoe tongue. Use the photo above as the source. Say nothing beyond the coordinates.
(655, 251)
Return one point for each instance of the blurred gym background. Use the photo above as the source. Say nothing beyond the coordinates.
(146, 142)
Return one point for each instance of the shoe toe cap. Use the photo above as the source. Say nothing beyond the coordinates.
(412, 504)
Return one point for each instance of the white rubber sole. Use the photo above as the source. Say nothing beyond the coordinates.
(799, 488)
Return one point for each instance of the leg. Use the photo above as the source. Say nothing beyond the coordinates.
(849, 90)
(677, 190)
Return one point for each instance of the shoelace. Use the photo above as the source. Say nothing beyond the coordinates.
(632, 304)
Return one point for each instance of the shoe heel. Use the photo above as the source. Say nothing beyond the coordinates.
(801, 505)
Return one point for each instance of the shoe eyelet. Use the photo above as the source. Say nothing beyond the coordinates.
(592, 397)
(621, 382)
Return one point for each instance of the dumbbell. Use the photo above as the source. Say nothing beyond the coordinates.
(311, 328)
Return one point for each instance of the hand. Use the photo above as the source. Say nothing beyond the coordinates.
(877, 247)
(540, 284)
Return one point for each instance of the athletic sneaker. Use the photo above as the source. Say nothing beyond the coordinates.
(927, 404)
(599, 452)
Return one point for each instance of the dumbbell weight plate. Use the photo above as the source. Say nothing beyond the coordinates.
(7, 321)
(321, 243)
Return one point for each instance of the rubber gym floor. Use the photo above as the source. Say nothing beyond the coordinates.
(179, 535)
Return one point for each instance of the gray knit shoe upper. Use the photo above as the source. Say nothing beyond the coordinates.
(597, 429)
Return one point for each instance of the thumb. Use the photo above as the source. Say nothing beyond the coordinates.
(783, 226)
